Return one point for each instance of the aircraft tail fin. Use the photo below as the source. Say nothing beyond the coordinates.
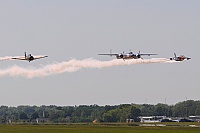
(25, 54)
(175, 55)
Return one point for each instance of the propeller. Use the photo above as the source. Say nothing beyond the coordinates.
(122, 55)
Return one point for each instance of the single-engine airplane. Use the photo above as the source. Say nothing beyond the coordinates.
(129, 55)
(29, 57)
(179, 58)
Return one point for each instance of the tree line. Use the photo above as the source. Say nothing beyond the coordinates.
(89, 113)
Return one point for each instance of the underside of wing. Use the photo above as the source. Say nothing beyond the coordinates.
(18, 58)
(148, 54)
(108, 54)
(39, 57)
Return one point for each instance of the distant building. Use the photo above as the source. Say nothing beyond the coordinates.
(96, 121)
(129, 120)
(151, 118)
(195, 118)
(42, 120)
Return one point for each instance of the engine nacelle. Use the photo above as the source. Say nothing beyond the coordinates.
(139, 56)
(121, 55)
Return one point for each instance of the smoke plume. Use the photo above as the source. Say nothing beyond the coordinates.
(5, 58)
(72, 66)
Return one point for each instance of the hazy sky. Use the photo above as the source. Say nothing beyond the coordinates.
(80, 29)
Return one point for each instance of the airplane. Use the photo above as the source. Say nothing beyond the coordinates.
(129, 55)
(29, 57)
(179, 58)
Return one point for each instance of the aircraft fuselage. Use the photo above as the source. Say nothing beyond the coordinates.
(127, 56)
(180, 58)
(29, 58)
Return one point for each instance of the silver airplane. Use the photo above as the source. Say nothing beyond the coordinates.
(179, 58)
(29, 57)
(129, 55)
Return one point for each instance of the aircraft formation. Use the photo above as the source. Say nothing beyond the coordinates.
(122, 55)
(131, 55)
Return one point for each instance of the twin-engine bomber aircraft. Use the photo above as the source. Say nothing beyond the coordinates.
(129, 55)
(179, 58)
(29, 57)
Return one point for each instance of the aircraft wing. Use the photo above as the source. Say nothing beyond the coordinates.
(18, 58)
(40, 56)
(108, 54)
(148, 54)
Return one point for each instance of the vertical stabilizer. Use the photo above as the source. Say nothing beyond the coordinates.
(25, 55)
(175, 55)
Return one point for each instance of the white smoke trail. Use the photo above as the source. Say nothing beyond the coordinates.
(5, 58)
(73, 66)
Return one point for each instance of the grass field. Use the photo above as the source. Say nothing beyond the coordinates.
(96, 128)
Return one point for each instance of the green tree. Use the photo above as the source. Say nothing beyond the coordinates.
(134, 113)
(34, 116)
(23, 116)
(111, 116)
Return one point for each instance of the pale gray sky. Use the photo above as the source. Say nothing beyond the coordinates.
(80, 29)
